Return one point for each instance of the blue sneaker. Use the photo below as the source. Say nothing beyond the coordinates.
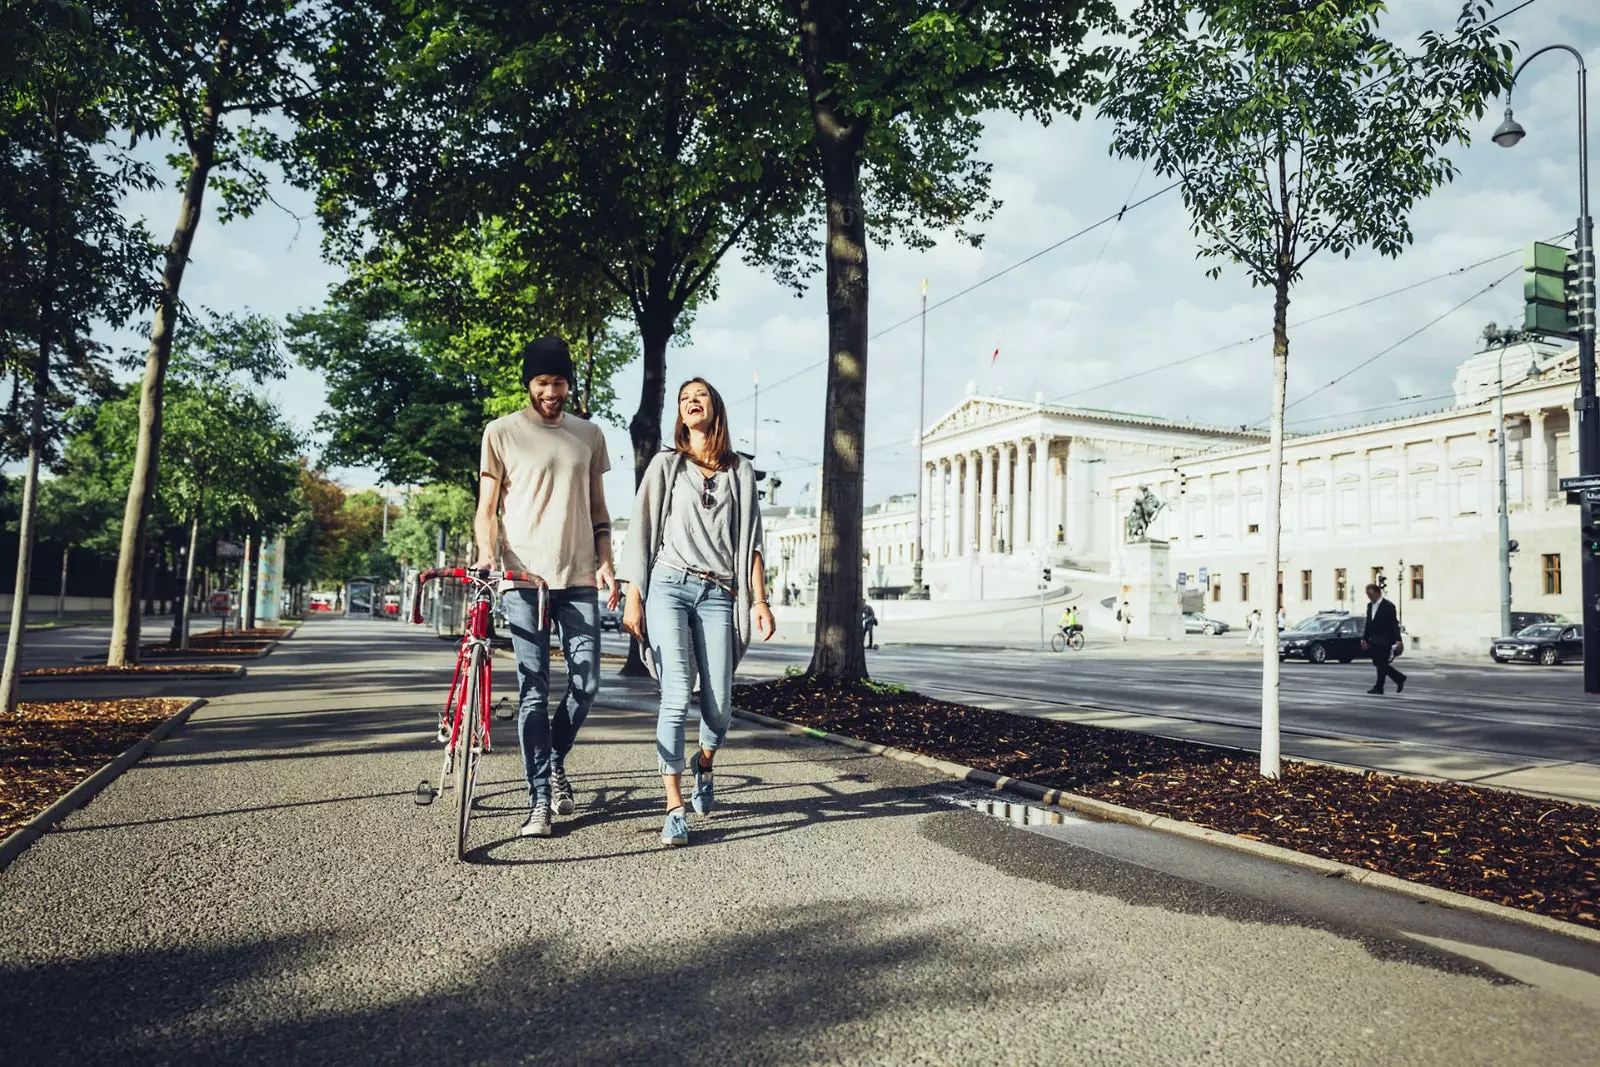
(703, 795)
(676, 830)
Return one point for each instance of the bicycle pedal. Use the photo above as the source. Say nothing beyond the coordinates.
(425, 793)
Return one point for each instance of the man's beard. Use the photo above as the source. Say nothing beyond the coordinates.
(548, 408)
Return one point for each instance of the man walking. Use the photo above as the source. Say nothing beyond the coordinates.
(542, 508)
(869, 623)
(1381, 638)
(1125, 617)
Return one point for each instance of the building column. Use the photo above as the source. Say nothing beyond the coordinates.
(1022, 519)
(984, 517)
(1402, 504)
(1042, 536)
(1005, 542)
(952, 511)
(1441, 483)
(924, 514)
(969, 507)
(1539, 462)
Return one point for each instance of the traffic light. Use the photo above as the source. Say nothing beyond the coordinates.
(1590, 530)
(1552, 290)
(1047, 576)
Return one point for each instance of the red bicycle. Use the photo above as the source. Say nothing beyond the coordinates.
(464, 722)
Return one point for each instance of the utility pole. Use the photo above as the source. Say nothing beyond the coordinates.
(1505, 518)
(922, 377)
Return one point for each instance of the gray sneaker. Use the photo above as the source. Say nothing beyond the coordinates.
(538, 822)
(560, 791)
(676, 830)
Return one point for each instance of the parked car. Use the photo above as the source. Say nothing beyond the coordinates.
(1521, 620)
(1544, 642)
(391, 606)
(1323, 637)
(610, 619)
(1195, 622)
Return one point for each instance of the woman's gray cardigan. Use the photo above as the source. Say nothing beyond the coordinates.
(645, 533)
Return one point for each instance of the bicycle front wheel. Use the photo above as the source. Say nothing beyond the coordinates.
(1058, 641)
(466, 767)
(1076, 641)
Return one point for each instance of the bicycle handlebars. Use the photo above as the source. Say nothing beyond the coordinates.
(467, 574)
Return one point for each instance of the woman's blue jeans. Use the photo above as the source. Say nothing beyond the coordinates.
(689, 622)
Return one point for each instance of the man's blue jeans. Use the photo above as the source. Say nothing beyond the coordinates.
(690, 625)
(575, 613)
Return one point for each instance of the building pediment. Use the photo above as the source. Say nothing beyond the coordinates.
(980, 411)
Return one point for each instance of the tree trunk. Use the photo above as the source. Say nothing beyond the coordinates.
(28, 520)
(252, 567)
(655, 330)
(839, 655)
(188, 581)
(588, 378)
(124, 648)
(1269, 622)
(61, 597)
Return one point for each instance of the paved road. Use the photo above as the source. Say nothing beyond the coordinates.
(263, 889)
(68, 645)
(1526, 727)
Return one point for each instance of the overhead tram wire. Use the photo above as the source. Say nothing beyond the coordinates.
(980, 283)
(1420, 329)
(1293, 326)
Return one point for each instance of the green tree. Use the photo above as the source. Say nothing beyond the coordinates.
(1295, 129)
(638, 143)
(413, 539)
(894, 92)
(68, 256)
(205, 73)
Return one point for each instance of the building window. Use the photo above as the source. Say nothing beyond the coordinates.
(1216, 591)
(1244, 587)
(1377, 577)
(1341, 585)
(1416, 581)
(1305, 585)
(1255, 527)
(1552, 573)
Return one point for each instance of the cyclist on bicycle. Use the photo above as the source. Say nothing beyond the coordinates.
(542, 508)
(1069, 623)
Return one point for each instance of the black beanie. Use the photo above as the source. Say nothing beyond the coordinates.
(547, 355)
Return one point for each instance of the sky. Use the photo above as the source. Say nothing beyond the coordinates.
(1077, 323)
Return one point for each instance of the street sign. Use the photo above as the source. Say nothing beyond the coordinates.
(1183, 579)
(1582, 481)
(234, 550)
(1204, 577)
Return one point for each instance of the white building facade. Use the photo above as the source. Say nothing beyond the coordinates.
(1412, 501)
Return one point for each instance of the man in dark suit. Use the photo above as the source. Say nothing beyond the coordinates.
(1381, 638)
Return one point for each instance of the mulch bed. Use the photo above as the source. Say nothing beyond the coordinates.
(48, 748)
(1520, 851)
(219, 649)
(131, 671)
(256, 633)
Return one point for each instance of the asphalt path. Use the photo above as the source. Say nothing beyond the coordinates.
(262, 888)
(1527, 726)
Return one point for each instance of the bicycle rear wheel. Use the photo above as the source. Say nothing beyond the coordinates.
(1076, 641)
(466, 767)
(1058, 641)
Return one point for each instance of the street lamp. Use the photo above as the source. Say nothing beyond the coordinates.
(917, 591)
(1509, 133)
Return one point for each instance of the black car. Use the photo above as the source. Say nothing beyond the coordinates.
(1321, 638)
(1545, 642)
(610, 619)
(1521, 620)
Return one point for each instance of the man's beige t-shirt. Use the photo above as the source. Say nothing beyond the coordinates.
(551, 497)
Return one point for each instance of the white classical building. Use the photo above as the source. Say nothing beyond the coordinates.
(1413, 500)
(1011, 487)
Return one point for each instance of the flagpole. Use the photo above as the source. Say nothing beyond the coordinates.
(917, 592)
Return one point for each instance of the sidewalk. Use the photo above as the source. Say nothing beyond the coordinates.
(262, 888)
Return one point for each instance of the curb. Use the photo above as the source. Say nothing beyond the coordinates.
(1109, 812)
(198, 653)
(186, 676)
(19, 839)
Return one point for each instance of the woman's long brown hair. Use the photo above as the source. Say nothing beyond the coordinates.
(716, 436)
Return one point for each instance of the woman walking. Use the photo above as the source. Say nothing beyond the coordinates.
(695, 585)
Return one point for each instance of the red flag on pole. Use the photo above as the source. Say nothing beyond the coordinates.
(994, 357)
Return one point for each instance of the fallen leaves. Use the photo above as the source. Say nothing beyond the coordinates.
(50, 746)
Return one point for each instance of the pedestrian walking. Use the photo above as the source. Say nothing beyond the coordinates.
(869, 623)
(542, 509)
(696, 585)
(1283, 620)
(1382, 639)
(1252, 623)
(1125, 617)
